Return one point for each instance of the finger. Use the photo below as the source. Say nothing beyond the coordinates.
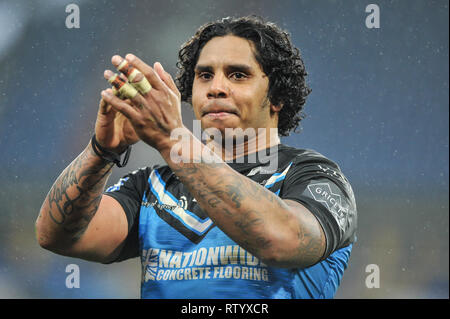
(148, 71)
(121, 87)
(104, 108)
(166, 77)
(127, 69)
(119, 105)
(108, 75)
(126, 91)
(135, 77)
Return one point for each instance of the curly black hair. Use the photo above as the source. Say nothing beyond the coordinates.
(279, 58)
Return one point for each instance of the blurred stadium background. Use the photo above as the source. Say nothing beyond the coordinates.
(379, 108)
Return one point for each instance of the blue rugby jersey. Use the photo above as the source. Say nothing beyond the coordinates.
(185, 255)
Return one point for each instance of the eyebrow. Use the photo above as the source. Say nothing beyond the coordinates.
(230, 68)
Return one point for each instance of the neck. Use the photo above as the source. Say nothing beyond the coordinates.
(240, 143)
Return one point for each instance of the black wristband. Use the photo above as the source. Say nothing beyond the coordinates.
(110, 156)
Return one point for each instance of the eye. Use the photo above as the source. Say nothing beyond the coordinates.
(238, 75)
(205, 76)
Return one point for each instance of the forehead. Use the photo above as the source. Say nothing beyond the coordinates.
(227, 50)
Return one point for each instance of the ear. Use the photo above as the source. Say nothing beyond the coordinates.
(276, 108)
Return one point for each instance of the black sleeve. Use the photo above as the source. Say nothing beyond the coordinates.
(327, 194)
(129, 191)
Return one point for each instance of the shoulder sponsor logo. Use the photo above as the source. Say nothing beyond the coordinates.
(322, 193)
(329, 171)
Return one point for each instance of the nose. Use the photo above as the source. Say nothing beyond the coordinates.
(218, 87)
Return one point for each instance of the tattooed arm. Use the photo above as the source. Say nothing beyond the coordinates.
(75, 220)
(282, 233)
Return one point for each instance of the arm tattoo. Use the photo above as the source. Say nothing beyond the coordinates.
(249, 213)
(75, 196)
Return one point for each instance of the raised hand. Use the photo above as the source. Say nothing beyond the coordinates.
(153, 110)
(112, 129)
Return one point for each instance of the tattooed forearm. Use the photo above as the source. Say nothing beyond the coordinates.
(251, 215)
(278, 231)
(230, 202)
(74, 198)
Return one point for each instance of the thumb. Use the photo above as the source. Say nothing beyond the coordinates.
(104, 125)
(104, 108)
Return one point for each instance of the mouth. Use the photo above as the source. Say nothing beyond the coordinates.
(219, 111)
(218, 115)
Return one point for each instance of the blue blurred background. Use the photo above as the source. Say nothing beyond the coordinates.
(379, 108)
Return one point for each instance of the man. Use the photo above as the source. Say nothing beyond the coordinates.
(214, 222)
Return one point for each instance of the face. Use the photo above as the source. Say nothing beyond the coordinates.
(230, 88)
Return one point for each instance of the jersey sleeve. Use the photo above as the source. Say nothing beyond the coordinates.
(129, 191)
(326, 193)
